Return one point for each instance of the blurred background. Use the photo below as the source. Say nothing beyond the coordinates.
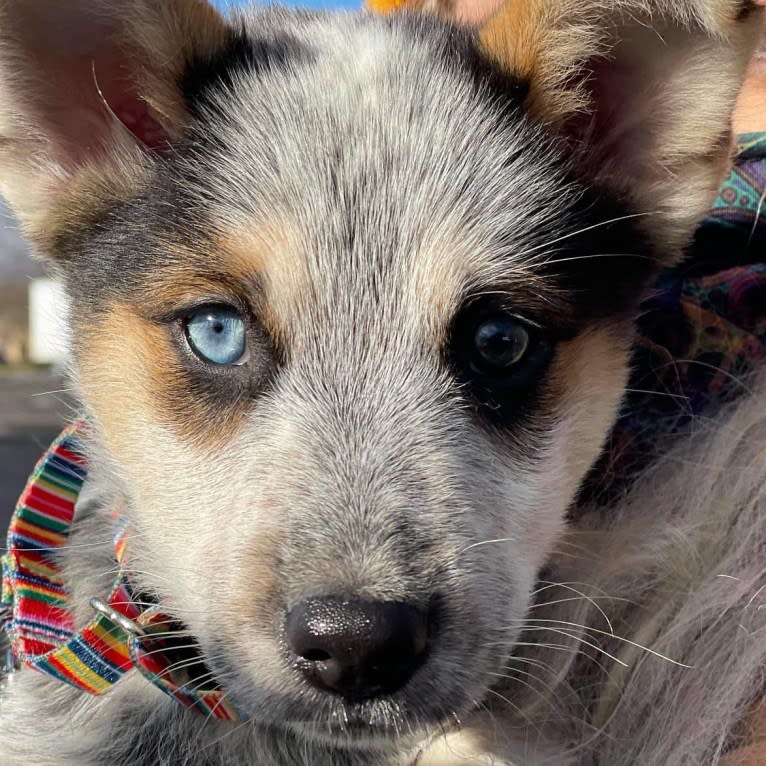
(33, 352)
(34, 402)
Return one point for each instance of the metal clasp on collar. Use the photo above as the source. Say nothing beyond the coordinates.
(7, 657)
(130, 627)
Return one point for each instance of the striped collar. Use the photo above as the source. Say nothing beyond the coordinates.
(123, 637)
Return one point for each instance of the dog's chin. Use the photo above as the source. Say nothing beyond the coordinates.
(376, 724)
(356, 732)
(429, 706)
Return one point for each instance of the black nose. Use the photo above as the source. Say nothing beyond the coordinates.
(358, 649)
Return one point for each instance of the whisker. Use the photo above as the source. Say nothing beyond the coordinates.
(517, 672)
(733, 378)
(485, 542)
(569, 586)
(195, 661)
(575, 637)
(517, 709)
(758, 213)
(543, 604)
(232, 731)
(585, 230)
(682, 397)
(211, 715)
(556, 261)
(573, 650)
(54, 391)
(626, 641)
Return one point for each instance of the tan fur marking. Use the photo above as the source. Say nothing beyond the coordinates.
(199, 272)
(587, 380)
(91, 192)
(519, 39)
(256, 587)
(753, 734)
(132, 376)
(272, 252)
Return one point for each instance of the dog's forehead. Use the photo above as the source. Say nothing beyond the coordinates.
(343, 166)
(366, 158)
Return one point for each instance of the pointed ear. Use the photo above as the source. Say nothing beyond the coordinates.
(89, 90)
(643, 90)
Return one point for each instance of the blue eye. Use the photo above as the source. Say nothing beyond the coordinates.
(217, 334)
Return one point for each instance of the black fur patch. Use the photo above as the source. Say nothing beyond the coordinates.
(242, 54)
(460, 49)
(748, 8)
(603, 266)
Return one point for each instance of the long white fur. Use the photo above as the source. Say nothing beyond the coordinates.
(678, 576)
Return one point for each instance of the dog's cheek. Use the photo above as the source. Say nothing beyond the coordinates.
(523, 485)
(117, 357)
(588, 379)
(157, 437)
(133, 380)
(582, 394)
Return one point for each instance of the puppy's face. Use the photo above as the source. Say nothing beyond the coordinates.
(360, 341)
(348, 349)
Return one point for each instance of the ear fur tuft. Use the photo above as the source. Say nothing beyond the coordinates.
(86, 87)
(386, 6)
(643, 91)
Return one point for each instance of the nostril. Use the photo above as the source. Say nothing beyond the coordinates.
(316, 655)
(359, 649)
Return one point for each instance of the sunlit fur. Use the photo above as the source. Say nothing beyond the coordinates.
(648, 630)
(353, 192)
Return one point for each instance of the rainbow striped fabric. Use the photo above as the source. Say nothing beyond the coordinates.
(41, 627)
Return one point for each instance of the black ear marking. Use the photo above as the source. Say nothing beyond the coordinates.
(241, 53)
(746, 10)
(486, 73)
(462, 49)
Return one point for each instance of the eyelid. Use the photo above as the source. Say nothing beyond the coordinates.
(183, 311)
(488, 304)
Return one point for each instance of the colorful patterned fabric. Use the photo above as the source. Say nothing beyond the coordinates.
(32, 583)
(702, 332)
(41, 627)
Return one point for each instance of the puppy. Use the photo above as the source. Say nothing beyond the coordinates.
(352, 306)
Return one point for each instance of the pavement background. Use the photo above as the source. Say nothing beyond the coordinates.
(33, 409)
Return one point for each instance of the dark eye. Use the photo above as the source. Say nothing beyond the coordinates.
(499, 359)
(217, 335)
(500, 342)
